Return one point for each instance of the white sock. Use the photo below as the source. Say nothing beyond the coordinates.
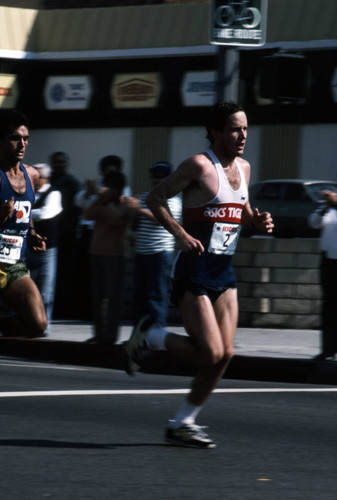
(155, 338)
(186, 414)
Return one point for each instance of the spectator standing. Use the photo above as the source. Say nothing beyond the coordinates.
(68, 185)
(46, 214)
(154, 251)
(325, 219)
(114, 163)
(108, 248)
(83, 199)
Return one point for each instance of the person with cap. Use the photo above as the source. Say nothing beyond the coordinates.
(154, 250)
(46, 214)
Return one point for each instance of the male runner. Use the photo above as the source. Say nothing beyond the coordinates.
(17, 182)
(215, 203)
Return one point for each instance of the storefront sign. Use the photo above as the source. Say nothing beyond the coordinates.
(136, 90)
(199, 88)
(238, 22)
(67, 92)
(8, 90)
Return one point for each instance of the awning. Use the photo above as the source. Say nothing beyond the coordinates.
(150, 30)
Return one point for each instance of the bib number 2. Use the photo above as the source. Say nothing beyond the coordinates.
(224, 238)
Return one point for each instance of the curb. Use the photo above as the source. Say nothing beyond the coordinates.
(288, 370)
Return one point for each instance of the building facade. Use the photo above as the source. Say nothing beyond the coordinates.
(138, 80)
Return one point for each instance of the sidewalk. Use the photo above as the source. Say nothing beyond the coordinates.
(260, 354)
(248, 341)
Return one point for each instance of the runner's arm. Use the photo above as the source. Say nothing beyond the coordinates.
(253, 219)
(6, 210)
(187, 173)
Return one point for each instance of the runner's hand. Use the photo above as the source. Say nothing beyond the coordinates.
(36, 242)
(263, 221)
(6, 210)
(189, 244)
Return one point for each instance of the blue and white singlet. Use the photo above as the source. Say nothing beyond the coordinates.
(14, 231)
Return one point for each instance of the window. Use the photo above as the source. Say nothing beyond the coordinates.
(270, 191)
(295, 192)
(315, 189)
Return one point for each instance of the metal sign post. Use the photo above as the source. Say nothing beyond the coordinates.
(235, 23)
(228, 69)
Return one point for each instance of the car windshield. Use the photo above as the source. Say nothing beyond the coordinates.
(267, 191)
(316, 189)
(295, 192)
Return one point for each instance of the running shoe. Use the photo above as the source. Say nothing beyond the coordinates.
(190, 435)
(136, 346)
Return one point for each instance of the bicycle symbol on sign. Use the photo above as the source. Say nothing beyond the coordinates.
(237, 12)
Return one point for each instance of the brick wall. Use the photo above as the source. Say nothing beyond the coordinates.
(278, 282)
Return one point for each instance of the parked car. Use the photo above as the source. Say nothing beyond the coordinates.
(290, 202)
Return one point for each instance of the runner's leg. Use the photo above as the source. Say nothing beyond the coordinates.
(23, 296)
(212, 327)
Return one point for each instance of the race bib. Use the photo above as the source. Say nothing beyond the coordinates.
(224, 238)
(10, 248)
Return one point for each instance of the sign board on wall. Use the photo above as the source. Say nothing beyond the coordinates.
(238, 22)
(8, 90)
(199, 88)
(67, 92)
(136, 90)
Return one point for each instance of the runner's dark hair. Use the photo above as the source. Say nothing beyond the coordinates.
(218, 116)
(11, 119)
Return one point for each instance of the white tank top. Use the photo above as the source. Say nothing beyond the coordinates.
(222, 213)
(225, 191)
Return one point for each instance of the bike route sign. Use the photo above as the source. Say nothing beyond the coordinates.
(238, 22)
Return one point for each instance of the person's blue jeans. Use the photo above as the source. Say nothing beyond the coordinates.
(43, 268)
(152, 274)
(107, 283)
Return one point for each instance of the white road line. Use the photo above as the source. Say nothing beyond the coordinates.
(44, 367)
(149, 392)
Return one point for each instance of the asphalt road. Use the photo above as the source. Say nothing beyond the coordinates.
(83, 433)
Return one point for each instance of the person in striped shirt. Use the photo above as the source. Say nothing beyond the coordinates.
(154, 250)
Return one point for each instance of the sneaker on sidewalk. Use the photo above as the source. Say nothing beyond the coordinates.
(136, 346)
(190, 435)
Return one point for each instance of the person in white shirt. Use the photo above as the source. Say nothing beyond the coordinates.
(46, 211)
(325, 219)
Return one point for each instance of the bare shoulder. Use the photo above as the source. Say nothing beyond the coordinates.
(196, 166)
(245, 165)
(32, 173)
